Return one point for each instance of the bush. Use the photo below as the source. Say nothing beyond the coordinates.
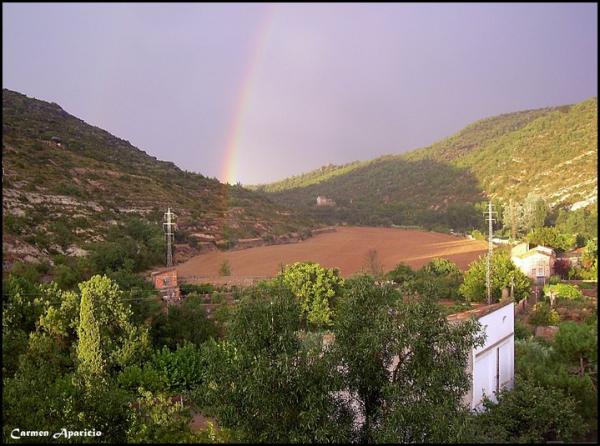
(400, 274)
(564, 291)
(544, 315)
(225, 269)
(203, 288)
(561, 268)
(477, 235)
(553, 280)
(522, 330)
(529, 413)
(551, 237)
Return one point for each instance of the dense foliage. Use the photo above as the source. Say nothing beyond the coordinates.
(552, 238)
(504, 275)
(315, 287)
(504, 157)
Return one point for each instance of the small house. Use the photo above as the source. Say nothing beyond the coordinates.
(536, 263)
(165, 282)
(324, 201)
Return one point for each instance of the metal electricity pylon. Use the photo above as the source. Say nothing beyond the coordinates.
(488, 275)
(169, 227)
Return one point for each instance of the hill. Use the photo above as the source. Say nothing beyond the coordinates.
(65, 183)
(551, 152)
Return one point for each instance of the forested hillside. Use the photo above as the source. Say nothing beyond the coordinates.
(65, 183)
(550, 152)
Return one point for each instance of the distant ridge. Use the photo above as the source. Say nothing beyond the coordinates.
(551, 152)
(66, 182)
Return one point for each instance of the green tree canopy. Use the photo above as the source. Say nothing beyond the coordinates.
(107, 339)
(266, 384)
(529, 413)
(185, 322)
(315, 287)
(552, 238)
(504, 274)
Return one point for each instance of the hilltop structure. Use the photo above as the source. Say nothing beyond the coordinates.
(323, 201)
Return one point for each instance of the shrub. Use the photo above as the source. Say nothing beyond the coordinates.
(477, 235)
(203, 288)
(401, 273)
(225, 269)
(561, 268)
(564, 291)
(522, 330)
(553, 280)
(544, 315)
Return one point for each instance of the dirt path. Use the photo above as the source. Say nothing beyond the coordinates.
(347, 249)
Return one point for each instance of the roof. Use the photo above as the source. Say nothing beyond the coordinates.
(163, 271)
(533, 253)
(543, 250)
(479, 311)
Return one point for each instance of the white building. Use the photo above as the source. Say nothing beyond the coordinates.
(536, 263)
(491, 366)
(324, 201)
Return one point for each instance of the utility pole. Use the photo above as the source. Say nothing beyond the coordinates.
(169, 226)
(488, 276)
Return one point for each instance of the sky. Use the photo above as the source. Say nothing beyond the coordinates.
(258, 92)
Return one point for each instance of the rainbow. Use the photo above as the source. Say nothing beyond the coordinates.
(229, 167)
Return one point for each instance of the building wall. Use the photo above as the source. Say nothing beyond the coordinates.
(535, 264)
(494, 363)
(165, 279)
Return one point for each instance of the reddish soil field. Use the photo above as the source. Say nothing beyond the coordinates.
(346, 249)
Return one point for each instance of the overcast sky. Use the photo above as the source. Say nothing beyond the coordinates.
(292, 87)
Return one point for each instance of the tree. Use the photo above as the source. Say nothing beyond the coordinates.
(583, 221)
(543, 365)
(528, 414)
(263, 382)
(363, 331)
(373, 264)
(503, 274)
(535, 211)
(562, 267)
(315, 287)
(423, 399)
(590, 254)
(439, 279)
(578, 343)
(225, 269)
(107, 340)
(512, 216)
(551, 237)
(185, 322)
(402, 361)
(157, 419)
(400, 274)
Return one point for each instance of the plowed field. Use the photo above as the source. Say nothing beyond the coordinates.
(346, 249)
